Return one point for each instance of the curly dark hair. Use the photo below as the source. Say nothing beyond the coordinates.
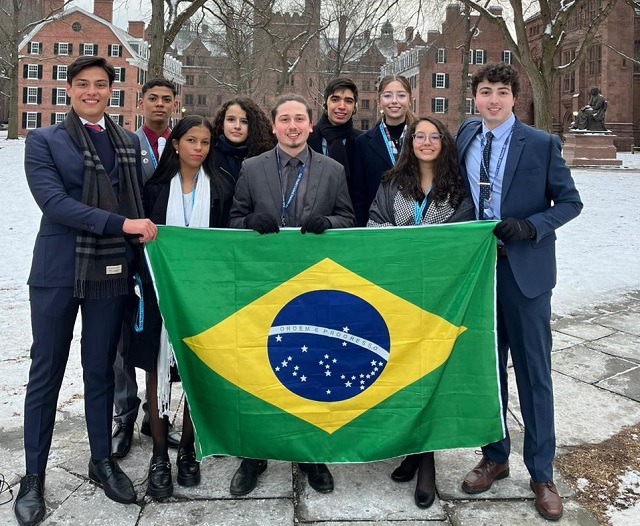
(499, 72)
(260, 138)
(447, 181)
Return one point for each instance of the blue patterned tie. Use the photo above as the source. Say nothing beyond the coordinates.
(485, 185)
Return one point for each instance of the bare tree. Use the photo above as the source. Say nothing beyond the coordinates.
(17, 18)
(540, 58)
(167, 17)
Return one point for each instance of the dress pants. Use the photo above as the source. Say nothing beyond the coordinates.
(524, 328)
(53, 314)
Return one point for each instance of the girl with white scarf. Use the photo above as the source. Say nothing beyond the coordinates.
(186, 190)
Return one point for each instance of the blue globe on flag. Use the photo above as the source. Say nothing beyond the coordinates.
(328, 345)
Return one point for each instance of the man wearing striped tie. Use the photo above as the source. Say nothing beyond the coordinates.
(158, 103)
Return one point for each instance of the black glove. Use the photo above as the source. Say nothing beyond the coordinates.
(316, 224)
(510, 230)
(263, 223)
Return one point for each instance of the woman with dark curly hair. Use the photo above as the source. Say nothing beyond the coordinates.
(424, 187)
(240, 130)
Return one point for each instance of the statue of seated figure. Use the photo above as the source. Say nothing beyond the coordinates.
(591, 117)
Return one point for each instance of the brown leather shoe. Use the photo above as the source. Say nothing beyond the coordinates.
(481, 477)
(548, 502)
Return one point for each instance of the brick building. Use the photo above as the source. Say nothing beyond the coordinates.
(434, 68)
(54, 44)
(607, 65)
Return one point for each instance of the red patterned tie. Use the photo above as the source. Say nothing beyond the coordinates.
(94, 128)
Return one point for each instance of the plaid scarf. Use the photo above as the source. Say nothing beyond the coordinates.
(101, 269)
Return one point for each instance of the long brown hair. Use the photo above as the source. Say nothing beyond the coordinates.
(447, 181)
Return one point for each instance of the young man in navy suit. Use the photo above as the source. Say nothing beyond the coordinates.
(84, 174)
(516, 174)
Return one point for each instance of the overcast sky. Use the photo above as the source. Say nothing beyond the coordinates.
(123, 10)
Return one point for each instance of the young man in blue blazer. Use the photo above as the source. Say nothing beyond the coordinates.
(516, 174)
(84, 174)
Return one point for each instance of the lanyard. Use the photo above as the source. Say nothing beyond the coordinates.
(138, 324)
(500, 157)
(418, 210)
(193, 196)
(387, 143)
(151, 154)
(285, 206)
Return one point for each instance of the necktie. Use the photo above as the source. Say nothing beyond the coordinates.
(95, 128)
(485, 185)
(161, 143)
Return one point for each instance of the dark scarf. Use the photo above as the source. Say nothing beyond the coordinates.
(336, 137)
(229, 156)
(97, 255)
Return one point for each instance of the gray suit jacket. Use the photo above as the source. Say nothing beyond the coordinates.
(258, 191)
(146, 156)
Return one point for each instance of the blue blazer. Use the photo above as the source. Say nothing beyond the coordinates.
(370, 160)
(537, 186)
(54, 167)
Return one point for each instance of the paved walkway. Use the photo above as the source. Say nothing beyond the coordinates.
(596, 360)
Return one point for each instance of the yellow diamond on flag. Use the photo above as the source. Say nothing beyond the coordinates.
(343, 371)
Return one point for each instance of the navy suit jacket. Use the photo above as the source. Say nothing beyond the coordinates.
(537, 186)
(54, 166)
(370, 160)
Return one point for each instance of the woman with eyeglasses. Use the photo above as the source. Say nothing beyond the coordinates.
(424, 187)
(377, 150)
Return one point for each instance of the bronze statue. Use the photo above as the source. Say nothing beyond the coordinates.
(591, 117)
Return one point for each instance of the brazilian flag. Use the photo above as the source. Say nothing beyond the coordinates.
(351, 346)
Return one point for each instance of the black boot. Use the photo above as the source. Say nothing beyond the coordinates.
(425, 493)
(407, 469)
(245, 478)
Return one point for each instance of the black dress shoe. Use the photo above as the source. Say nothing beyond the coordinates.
(115, 483)
(188, 468)
(173, 436)
(245, 478)
(29, 507)
(159, 483)
(319, 476)
(121, 439)
(407, 469)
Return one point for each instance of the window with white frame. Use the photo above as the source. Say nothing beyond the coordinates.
(33, 71)
(60, 97)
(119, 74)
(117, 98)
(115, 50)
(506, 56)
(470, 107)
(480, 56)
(59, 72)
(32, 95)
(89, 50)
(116, 118)
(58, 117)
(62, 48)
(32, 120)
(440, 80)
(469, 77)
(439, 105)
(441, 56)
(138, 121)
(35, 48)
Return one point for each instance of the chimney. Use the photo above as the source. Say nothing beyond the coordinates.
(103, 9)
(52, 6)
(136, 29)
(408, 34)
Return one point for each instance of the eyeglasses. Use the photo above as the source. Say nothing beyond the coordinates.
(419, 138)
(400, 96)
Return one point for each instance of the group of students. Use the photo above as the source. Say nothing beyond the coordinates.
(103, 190)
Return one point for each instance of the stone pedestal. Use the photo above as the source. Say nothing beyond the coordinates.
(584, 148)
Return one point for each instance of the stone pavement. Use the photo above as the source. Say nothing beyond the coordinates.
(596, 363)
